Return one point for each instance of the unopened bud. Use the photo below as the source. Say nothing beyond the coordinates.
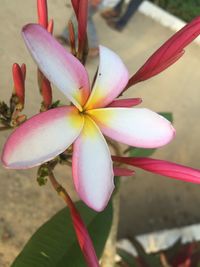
(42, 13)
(50, 26)
(23, 69)
(19, 85)
(72, 38)
(46, 93)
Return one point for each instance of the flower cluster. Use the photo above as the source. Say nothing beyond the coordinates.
(50, 133)
(94, 111)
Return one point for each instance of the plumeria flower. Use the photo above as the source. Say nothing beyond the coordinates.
(93, 112)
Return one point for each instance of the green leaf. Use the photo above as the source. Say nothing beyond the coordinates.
(184, 9)
(128, 258)
(149, 260)
(167, 115)
(54, 244)
(141, 152)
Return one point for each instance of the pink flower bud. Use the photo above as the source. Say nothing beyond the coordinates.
(75, 4)
(72, 38)
(46, 92)
(81, 11)
(82, 234)
(129, 102)
(42, 13)
(18, 78)
(118, 171)
(23, 70)
(82, 20)
(162, 167)
(50, 26)
(168, 53)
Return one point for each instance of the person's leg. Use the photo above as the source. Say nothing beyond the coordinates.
(91, 29)
(131, 9)
(118, 7)
(113, 12)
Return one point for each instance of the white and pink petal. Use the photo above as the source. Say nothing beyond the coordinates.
(42, 138)
(92, 167)
(58, 65)
(111, 79)
(137, 127)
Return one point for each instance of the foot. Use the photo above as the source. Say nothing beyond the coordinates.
(114, 25)
(109, 14)
(93, 52)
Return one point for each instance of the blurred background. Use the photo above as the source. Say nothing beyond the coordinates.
(186, 9)
(148, 202)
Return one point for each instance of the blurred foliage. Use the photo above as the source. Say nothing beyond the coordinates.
(184, 9)
(178, 255)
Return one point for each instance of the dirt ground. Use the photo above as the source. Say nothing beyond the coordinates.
(149, 202)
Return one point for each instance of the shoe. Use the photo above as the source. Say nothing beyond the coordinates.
(109, 14)
(114, 25)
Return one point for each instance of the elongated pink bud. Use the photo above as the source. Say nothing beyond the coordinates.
(18, 78)
(81, 10)
(126, 103)
(72, 38)
(83, 237)
(75, 4)
(82, 20)
(20, 119)
(50, 26)
(42, 13)
(118, 171)
(46, 91)
(168, 53)
(23, 69)
(162, 167)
